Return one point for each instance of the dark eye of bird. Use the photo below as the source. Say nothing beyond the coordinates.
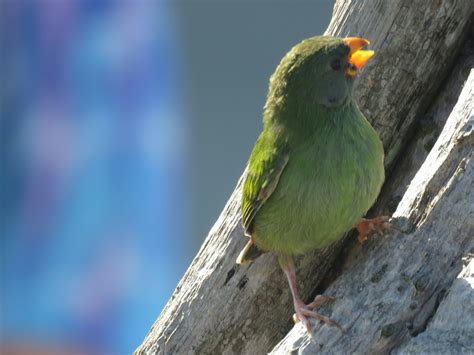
(336, 64)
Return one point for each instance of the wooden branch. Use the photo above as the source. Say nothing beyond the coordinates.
(391, 288)
(452, 326)
(219, 307)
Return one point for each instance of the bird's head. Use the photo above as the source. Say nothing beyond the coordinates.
(321, 70)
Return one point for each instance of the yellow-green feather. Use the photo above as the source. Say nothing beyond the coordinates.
(267, 161)
(315, 170)
(332, 178)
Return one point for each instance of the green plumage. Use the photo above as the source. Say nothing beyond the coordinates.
(317, 167)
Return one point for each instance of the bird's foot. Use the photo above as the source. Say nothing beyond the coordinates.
(374, 225)
(303, 312)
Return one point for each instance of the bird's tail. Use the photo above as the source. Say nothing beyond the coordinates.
(249, 253)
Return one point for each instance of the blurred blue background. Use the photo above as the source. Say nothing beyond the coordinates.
(124, 127)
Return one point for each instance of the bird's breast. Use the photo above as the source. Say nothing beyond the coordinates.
(329, 183)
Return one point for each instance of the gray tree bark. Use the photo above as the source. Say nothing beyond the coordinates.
(392, 293)
(388, 290)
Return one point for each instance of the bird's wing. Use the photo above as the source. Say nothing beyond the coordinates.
(266, 164)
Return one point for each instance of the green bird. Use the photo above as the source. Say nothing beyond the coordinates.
(317, 167)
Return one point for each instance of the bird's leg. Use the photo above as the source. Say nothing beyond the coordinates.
(302, 311)
(368, 226)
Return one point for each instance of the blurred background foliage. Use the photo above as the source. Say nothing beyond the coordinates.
(124, 126)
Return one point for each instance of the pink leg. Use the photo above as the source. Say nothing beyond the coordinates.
(303, 311)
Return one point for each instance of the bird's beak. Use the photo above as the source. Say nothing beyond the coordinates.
(357, 56)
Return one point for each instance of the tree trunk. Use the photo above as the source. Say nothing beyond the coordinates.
(388, 290)
(391, 293)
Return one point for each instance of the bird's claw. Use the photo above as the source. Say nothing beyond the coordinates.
(375, 225)
(320, 299)
(304, 312)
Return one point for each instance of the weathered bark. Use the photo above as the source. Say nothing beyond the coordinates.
(389, 290)
(219, 307)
